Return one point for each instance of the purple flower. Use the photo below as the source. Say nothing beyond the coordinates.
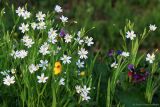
(62, 33)
(110, 52)
(131, 67)
(139, 78)
(119, 52)
(136, 76)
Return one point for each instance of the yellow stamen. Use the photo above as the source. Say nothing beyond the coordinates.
(82, 73)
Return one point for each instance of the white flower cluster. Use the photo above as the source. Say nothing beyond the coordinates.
(82, 52)
(87, 40)
(83, 91)
(19, 54)
(33, 68)
(52, 36)
(8, 80)
(23, 13)
(44, 49)
(27, 41)
(58, 9)
(41, 24)
(131, 35)
(51, 46)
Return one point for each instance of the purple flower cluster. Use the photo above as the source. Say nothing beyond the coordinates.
(62, 33)
(111, 52)
(137, 75)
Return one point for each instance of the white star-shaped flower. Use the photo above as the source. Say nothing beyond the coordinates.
(152, 27)
(42, 78)
(150, 58)
(43, 64)
(13, 71)
(27, 41)
(83, 53)
(125, 54)
(78, 89)
(61, 82)
(131, 35)
(52, 33)
(80, 64)
(66, 59)
(89, 41)
(34, 25)
(33, 68)
(44, 49)
(40, 16)
(20, 54)
(58, 9)
(68, 38)
(79, 40)
(26, 14)
(9, 80)
(24, 27)
(85, 97)
(64, 19)
(20, 11)
(41, 25)
(85, 92)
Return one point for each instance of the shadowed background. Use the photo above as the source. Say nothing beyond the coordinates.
(107, 16)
